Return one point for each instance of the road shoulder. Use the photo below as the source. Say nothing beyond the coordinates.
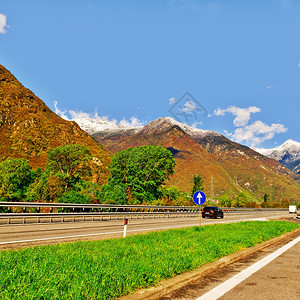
(170, 286)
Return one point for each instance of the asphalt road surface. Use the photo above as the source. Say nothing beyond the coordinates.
(19, 236)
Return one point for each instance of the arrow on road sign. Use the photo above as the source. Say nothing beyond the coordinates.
(199, 196)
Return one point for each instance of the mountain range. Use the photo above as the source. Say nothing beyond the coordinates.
(224, 165)
(288, 154)
(28, 128)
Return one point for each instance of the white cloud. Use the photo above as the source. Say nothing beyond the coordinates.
(60, 112)
(189, 107)
(172, 100)
(269, 87)
(242, 114)
(79, 116)
(3, 25)
(257, 132)
(196, 124)
(134, 122)
(227, 133)
(299, 64)
(251, 134)
(76, 115)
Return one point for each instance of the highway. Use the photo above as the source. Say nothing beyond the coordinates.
(26, 235)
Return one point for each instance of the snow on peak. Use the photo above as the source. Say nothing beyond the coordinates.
(193, 131)
(93, 125)
(290, 143)
(289, 148)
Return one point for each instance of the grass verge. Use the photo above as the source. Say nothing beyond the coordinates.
(109, 268)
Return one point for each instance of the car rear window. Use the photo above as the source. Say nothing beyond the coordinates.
(208, 208)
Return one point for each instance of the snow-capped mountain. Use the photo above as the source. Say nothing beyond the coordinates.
(96, 124)
(288, 154)
(93, 125)
(99, 124)
(161, 124)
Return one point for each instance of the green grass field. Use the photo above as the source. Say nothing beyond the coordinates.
(109, 268)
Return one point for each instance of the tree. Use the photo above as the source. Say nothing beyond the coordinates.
(70, 163)
(241, 200)
(266, 201)
(197, 184)
(113, 194)
(140, 171)
(225, 200)
(74, 197)
(170, 195)
(266, 197)
(15, 177)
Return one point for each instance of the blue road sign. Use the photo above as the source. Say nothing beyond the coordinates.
(199, 198)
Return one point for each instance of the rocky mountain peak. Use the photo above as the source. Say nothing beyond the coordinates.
(288, 154)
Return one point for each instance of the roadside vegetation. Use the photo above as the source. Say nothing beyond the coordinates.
(109, 268)
(137, 175)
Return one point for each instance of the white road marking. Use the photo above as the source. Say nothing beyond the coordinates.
(229, 284)
(133, 221)
(90, 234)
(114, 232)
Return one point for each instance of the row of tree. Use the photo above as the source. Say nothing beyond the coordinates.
(137, 176)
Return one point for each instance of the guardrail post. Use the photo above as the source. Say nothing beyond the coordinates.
(125, 227)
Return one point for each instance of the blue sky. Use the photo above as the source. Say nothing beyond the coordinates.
(238, 59)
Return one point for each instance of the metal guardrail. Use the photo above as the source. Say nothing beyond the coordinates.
(119, 206)
(94, 206)
(60, 212)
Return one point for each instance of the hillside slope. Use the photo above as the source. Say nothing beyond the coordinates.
(235, 168)
(28, 128)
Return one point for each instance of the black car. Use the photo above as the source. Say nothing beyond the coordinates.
(212, 212)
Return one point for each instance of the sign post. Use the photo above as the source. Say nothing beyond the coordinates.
(199, 198)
